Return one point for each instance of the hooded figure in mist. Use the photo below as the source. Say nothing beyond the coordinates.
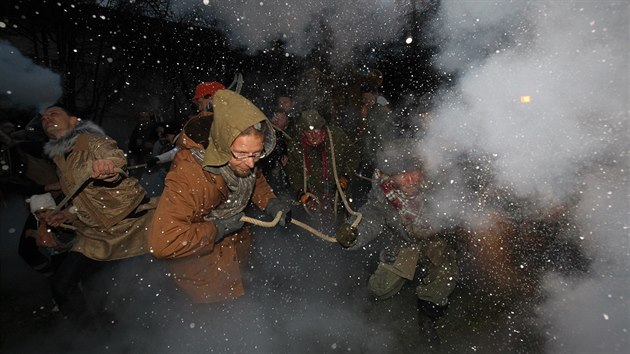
(312, 162)
(396, 207)
(212, 180)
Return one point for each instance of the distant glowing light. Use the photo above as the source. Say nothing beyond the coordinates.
(526, 99)
(408, 40)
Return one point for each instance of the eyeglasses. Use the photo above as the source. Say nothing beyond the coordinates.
(243, 156)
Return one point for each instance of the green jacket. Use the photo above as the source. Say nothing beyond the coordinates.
(345, 158)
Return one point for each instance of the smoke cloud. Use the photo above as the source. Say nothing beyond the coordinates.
(254, 24)
(542, 94)
(25, 83)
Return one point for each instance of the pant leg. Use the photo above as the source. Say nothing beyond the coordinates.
(384, 284)
(442, 272)
(29, 251)
(65, 284)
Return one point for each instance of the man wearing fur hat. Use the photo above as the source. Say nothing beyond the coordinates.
(312, 163)
(397, 205)
(108, 209)
(212, 179)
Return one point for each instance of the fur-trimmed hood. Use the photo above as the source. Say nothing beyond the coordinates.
(62, 145)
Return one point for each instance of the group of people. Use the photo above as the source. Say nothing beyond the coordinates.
(226, 156)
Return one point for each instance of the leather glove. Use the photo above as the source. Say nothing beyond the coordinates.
(152, 161)
(227, 226)
(343, 183)
(279, 205)
(304, 198)
(310, 203)
(45, 237)
(346, 235)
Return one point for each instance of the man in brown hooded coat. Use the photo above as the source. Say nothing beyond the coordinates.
(212, 180)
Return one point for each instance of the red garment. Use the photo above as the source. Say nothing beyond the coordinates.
(408, 208)
(306, 143)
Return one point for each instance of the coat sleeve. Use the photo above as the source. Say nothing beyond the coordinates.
(373, 220)
(175, 231)
(107, 149)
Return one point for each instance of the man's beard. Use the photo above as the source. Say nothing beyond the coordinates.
(242, 173)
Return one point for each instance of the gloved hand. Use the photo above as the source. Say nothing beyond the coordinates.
(305, 198)
(227, 226)
(45, 237)
(152, 161)
(279, 205)
(346, 235)
(311, 204)
(343, 183)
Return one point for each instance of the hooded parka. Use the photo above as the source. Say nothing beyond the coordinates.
(205, 270)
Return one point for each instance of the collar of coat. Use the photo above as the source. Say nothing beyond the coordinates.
(56, 147)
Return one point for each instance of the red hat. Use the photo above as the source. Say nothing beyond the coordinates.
(206, 88)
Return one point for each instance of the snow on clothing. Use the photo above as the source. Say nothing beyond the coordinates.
(111, 216)
(184, 233)
(315, 164)
(389, 211)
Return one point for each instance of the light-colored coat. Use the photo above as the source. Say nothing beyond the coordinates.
(104, 230)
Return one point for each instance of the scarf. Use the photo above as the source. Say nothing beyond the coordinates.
(241, 190)
(408, 208)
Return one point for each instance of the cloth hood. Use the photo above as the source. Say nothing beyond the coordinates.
(310, 120)
(195, 132)
(233, 114)
(398, 156)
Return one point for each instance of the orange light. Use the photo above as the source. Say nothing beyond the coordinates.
(526, 99)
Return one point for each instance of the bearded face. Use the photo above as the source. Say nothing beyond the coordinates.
(246, 151)
(409, 182)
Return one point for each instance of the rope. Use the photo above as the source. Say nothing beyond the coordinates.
(364, 178)
(275, 221)
(78, 187)
(313, 231)
(305, 188)
(339, 189)
(339, 192)
(257, 222)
